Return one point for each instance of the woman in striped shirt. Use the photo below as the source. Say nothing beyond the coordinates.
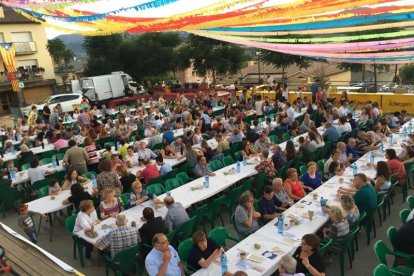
(110, 206)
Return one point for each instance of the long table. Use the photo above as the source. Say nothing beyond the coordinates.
(269, 239)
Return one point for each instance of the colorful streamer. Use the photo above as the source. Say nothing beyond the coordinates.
(358, 31)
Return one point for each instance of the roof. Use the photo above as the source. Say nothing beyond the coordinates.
(13, 17)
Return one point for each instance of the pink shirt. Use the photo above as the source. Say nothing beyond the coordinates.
(60, 144)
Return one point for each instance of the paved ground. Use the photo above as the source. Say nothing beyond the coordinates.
(365, 259)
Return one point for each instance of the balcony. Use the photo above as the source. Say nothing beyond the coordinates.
(25, 48)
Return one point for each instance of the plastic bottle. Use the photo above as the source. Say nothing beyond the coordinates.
(238, 167)
(43, 145)
(372, 158)
(132, 199)
(244, 161)
(12, 174)
(206, 181)
(323, 204)
(93, 179)
(381, 148)
(54, 165)
(117, 145)
(354, 169)
(223, 263)
(280, 225)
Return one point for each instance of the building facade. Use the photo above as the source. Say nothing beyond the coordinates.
(33, 62)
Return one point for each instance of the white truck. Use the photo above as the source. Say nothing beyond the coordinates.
(100, 89)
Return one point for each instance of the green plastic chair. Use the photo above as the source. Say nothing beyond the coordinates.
(89, 175)
(69, 225)
(302, 169)
(215, 165)
(45, 161)
(170, 236)
(42, 192)
(183, 176)
(240, 234)
(25, 166)
(125, 259)
(324, 246)
(403, 215)
(158, 179)
(237, 155)
(382, 270)
(173, 183)
(200, 213)
(156, 189)
(274, 139)
(286, 136)
(247, 185)
(9, 196)
(41, 183)
(124, 198)
(48, 154)
(321, 165)
(228, 160)
(59, 176)
(231, 199)
(260, 181)
(184, 249)
(112, 144)
(345, 246)
(171, 174)
(157, 146)
(186, 229)
(220, 235)
(214, 211)
(381, 251)
(391, 234)
(380, 204)
(410, 202)
(60, 156)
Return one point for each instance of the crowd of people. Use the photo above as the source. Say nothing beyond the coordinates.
(152, 125)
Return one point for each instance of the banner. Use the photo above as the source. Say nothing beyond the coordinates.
(8, 55)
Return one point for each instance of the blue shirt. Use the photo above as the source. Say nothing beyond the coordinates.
(206, 118)
(314, 88)
(268, 207)
(155, 259)
(311, 182)
(353, 151)
(165, 168)
(168, 136)
(332, 133)
(202, 170)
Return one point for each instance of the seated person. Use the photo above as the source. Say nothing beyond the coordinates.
(280, 193)
(404, 240)
(308, 258)
(269, 205)
(72, 178)
(139, 195)
(266, 164)
(293, 187)
(176, 214)
(245, 215)
(311, 178)
(339, 227)
(152, 226)
(351, 210)
(77, 195)
(202, 168)
(54, 187)
(287, 266)
(131, 159)
(111, 205)
(203, 252)
(149, 172)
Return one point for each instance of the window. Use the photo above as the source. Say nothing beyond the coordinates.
(22, 37)
(55, 100)
(67, 98)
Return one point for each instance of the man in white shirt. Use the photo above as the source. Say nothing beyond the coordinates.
(149, 131)
(37, 172)
(343, 109)
(258, 106)
(343, 125)
(290, 112)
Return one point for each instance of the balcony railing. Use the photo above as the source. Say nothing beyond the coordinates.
(25, 48)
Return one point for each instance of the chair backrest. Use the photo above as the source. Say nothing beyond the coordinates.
(184, 249)
(170, 236)
(70, 223)
(25, 166)
(302, 169)
(324, 247)
(248, 184)
(42, 192)
(39, 184)
(124, 198)
(410, 202)
(228, 160)
(215, 165)
(89, 175)
(321, 165)
(391, 234)
(274, 139)
(403, 215)
(171, 174)
(183, 176)
(186, 229)
(381, 250)
(382, 270)
(45, 161)
(172, 183)
(219, 235)
(126, 259)
(59, 176)
(156, 189)
(237, 155)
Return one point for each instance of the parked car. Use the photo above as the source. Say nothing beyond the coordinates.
(66, 101)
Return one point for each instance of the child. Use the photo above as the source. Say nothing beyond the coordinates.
(10, 167)
(26, 222)
(108, 152)
(54, 187)
(123, 149)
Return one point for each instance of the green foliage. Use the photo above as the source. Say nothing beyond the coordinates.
(353, 67)
(407, 73)
(61, 57)
(208, 55)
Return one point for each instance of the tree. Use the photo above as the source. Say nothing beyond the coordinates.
(208, 55)
(407, 73)
(61, 57)
(102, 54)
(281, 60)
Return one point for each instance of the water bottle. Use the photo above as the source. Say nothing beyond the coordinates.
(372, 158)
(12, 174)
(244, 161)
(405, 134)
(43, 145)
(323, 204)
(238, 167)
(206, 181)
(280, 225)
(223, 263)
(93, 181)
(117, 145)
(354, 169)
(353, 113)
(168, 193)
(54, 165)
(132, 199)
(381, 148)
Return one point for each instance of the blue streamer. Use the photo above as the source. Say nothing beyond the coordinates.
(357, 20)
(140, 7)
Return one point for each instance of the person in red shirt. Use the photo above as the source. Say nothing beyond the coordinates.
(396, 166)
(293, 186)
(150, 171)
